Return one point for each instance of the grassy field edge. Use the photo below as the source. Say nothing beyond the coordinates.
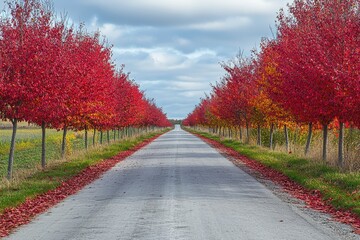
(340, 189)
(49, 179)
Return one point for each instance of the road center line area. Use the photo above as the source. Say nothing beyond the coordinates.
(177, 187)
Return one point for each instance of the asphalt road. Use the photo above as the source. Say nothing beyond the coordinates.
(175, 188)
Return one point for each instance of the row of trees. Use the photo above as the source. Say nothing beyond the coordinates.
(56, 76)
(309, 74)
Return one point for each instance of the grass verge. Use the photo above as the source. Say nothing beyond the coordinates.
(16, 193)
(341, 190)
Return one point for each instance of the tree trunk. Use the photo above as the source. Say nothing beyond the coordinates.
(286, 139)
(341, 146)
(247, 132)
(101, 137)
(43, 146)
(108, 136)
(12, 149)
(325, 139)
(114, 135)
(94, 137)
(240, 133)
(308, 141)
(271, 136)
(258, 135)
(63, 143)
(86, 138)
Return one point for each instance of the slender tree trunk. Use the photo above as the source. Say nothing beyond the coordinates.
(247, 132)
(63, 143)
(12, 149)
(271, 136)
(108, 136)
(341, 146)
(286, 139)
(240, 133)
(86, 137)
(114, 135)
(258, 135)
(325, 140)
(94, 137)
(101, 137)
(308, 141)
(43, 146)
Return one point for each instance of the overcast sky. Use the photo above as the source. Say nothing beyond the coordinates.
(173, 47)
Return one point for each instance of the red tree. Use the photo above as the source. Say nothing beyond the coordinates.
(319, 40)
(25, 51)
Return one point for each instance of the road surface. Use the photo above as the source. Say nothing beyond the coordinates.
(175, 188)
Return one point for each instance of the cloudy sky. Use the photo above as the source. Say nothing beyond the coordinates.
(173, 47)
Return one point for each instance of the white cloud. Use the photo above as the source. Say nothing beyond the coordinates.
(182, 41)
(189, 86)
(193, 94)
(151, 83)
(223, 24)
(188, 78)
(165, 59)
(111, 31)
(199, 53)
